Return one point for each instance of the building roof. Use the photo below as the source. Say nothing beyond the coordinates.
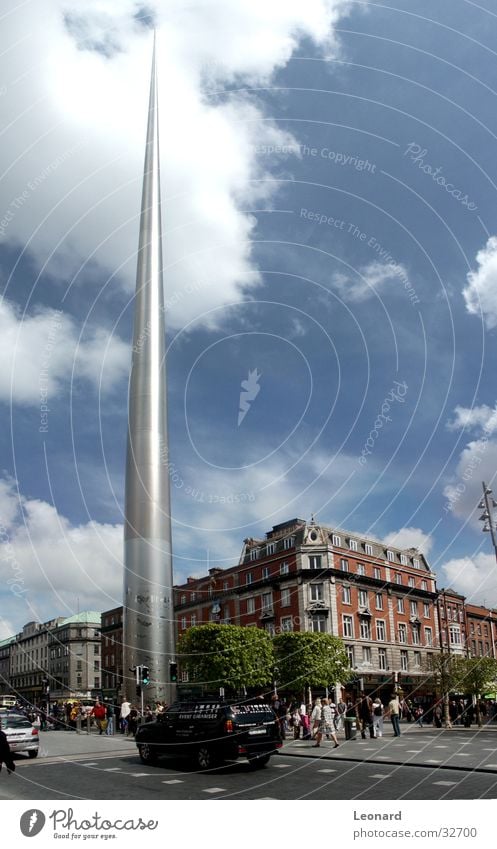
(6, 642)
(87, 617)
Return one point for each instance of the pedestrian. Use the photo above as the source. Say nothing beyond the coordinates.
(453, 711)
(317, 723)
(99, 711)
(437, 715)
(340, 714)
(109, 731)
(5, 753)
(418, 713)
(365, 713)
(350, 718)
(377, 717)
(305, 719)
(328, 713)
(132, 721)
(125, 709)
(394, 714)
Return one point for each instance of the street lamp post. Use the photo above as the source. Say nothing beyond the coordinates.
(488, 505)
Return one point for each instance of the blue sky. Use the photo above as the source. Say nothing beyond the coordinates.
(330, 225)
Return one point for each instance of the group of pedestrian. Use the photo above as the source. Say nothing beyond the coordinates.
(324, 719)
(130, 716)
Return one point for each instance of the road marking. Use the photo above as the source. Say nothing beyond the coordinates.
(433, 761)
(174, 781)
(214, 790)
(281, 766)
(492, 766)
(490, 750)
(383, 757)
(413, 751)
(140, 774)
(445, 783)
(377, 775)
(460, 755)
(92, 763)
(326, 770)
(112, 769)
(440, 747)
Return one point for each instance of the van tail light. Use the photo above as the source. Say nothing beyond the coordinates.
(228, 726)
(34, 732)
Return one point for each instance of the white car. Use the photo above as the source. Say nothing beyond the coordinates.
(22, 736)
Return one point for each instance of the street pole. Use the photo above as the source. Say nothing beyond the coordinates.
(488, 506)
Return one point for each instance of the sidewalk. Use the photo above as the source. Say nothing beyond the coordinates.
(454, 748)
(68, 744)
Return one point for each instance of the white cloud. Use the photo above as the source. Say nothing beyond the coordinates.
(475, 577)
(410, 538)
(39, 351)
(368, 280)
(464, 490)
(74, 111)
(481, 292)
(482, 418)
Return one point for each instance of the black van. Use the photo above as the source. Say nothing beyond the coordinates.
(210, 732)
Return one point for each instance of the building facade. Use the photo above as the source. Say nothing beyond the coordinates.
(112, 652)
(5, 649)
(30, 660)
(75, 657)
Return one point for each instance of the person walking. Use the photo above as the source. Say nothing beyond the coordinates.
(109, 731)
(328, 724)
(377, 717)
(99, 711)
(125, 711)
(394, 714)
(340, 714)
(366, 715)
(5, 753)
(317, 723)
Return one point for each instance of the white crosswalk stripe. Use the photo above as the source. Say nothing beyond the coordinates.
(173, 781)
(214, 790)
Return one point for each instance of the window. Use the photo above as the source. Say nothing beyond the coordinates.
(415, 562)
(350, 655)
(344, 565)
(413, 608)
(472, 628)
(360, 569)
(428, 637)
(316, 592)
(366, 655)
(424, 585)
(265, 572)
(487, 648)
(193, 596)
(368, 548)
(249, 578)
(353, 544)
(348, 626)
(193, 620)
(398, 578)
(379, 601)
(402, 633)
(365, 629)
(79, 665)
(315, 561)
(485, 630)
(404, 560)
(251, 605)
(96, 649)
(410, 582)
(336, 540)
(284, 568)
(267, 601)
(455, 635)
(318, 623)
(417, 658)
(363, 598)
(182, 599)
(269, 628)
(346, 595)
(225, 586)
(390, 556)
(288, 542)
(380, 630)
(480, 647)
(404, 665)
(97, 683)
(270, 548)
(183, 623)
(426, 610)
(377, 573)
(96, 666)
(285, 597)
(254, 553)
(400, 605)
(478, 630)
(286, 623)
(382, 658)
(415, 635)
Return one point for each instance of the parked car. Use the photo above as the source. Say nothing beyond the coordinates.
(211, 732)
(21, 734)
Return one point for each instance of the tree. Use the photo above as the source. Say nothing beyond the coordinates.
(446, 673)
(226, 656)
(480, 674)
(308, 659)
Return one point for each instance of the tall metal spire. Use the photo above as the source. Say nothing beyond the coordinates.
(149, 633)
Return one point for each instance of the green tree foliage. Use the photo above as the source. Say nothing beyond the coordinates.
(446, 674)
(226, 656)
(307, 659)
(480, 675)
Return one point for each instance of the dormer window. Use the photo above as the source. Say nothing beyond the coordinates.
(390, 556)
(182, 599)
(254, 553)
(270, 548)
(368, 548)
(353, 544)
(404, 560)
(415, 562)
(337, 541)
(288, 542)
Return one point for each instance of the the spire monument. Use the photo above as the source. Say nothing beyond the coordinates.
(149, 633)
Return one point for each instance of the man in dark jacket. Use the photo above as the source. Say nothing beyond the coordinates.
(5, 753)
(365, 714)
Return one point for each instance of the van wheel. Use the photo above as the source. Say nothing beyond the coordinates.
(147, 754)
(259, 762)
(206, 759)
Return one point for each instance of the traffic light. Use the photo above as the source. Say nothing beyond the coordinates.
(173, 671)
(138, 673)
(145, 675)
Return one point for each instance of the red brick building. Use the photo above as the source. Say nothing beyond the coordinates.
(112, 652)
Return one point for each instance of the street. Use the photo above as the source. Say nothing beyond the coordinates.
(421, 764)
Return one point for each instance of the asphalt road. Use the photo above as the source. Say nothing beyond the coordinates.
(122, 776)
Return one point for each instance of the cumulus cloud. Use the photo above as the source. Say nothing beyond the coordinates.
(475, 577)
(369, 280)
(483, 418)
(464, 489)
(410, 538)
(481, 292)
(39, 351)
(74, 112)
